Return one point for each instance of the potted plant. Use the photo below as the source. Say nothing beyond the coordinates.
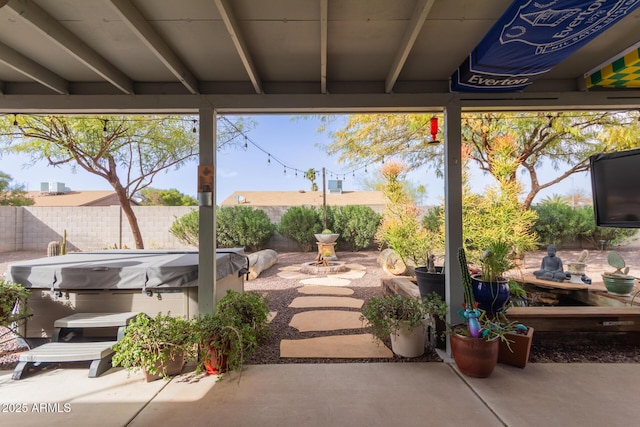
(13, 303)
(404, 320)
(475, 345)
(618, 282)
(490, 287)
(241, 321)
(157, 345)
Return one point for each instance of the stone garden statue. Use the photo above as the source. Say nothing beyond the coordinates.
(551, 267)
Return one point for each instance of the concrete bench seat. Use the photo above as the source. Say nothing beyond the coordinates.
(99, 353)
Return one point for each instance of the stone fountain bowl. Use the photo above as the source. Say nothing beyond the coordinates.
(618, 285)
(327, 238)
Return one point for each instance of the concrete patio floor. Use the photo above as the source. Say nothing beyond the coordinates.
(342, 394)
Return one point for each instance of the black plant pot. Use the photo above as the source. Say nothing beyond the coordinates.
(429, 283)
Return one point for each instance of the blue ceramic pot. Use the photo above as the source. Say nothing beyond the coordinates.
(490, 296)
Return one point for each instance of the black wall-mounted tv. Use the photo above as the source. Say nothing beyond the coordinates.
(615, 181)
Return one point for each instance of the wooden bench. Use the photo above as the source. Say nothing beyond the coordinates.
(98, 352)
(578, 318)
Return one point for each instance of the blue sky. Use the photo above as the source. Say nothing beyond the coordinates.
(294, 142)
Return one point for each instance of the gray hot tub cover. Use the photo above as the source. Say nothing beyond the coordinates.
(121, 269)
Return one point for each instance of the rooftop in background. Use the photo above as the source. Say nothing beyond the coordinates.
(373, 199)
(75, 198)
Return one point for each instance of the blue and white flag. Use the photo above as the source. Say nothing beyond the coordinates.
(531, 38)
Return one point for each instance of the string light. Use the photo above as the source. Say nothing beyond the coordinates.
(285, 170)
(15, 120)
(104, 127)
(194, 130)
(245, 143)
(269, 159)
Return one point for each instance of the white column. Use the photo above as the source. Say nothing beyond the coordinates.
(453, 209)
(207, 236)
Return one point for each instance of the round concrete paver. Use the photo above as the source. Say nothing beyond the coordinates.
(324, 290)
(322, 301)
(293, 275)
(326, 320)
(351, 274)
(290, 268)
(326, 281)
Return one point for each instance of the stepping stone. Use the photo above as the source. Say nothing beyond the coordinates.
(326, 281)
(353, 274)
(324, 290)
(320, 302)
(354, 266)
(326, 320)
(292, 275)
(272, 315)
(361, 346)
(290, 268)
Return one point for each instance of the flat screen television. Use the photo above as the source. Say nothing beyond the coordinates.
(615, 183)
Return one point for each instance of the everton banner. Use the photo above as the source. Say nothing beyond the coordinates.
(531, 38)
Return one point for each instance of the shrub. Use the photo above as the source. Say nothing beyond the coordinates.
(300, 224)
(186, 228)
(356, 224)
(243, 226)
(560, 223)
(236, 226)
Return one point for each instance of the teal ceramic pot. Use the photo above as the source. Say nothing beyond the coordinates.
(620, 286)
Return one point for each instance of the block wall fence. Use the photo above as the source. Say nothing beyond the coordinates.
(28, 228)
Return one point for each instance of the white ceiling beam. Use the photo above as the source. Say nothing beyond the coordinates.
(238, 41)
(141, 27)
(33, 70)
(408, 39)
(56, 32)
(324, 12)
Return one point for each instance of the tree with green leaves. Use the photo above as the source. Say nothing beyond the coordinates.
(564, 140)
(311, 176)
(12, 195)
(171, 197)
(126, 151)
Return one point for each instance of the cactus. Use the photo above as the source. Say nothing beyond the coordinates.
(53, 249)
(63, 245)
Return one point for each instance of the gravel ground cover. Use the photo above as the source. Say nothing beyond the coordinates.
(548, 347)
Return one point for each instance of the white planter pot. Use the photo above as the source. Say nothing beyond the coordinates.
(327, 238)
(408, 344)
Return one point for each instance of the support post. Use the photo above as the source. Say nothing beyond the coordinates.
(454, 293)
(207, 220)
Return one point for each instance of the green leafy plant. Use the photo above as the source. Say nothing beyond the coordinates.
(13, 303)
(243, 226)
(186, 228)
(496, 261)
(300, 223)
(356, 224)
(384, 315)
(234, 331)
(148, 342)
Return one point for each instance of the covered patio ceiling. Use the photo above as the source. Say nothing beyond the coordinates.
(274, 56)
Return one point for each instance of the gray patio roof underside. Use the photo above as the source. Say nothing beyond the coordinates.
(271, 55)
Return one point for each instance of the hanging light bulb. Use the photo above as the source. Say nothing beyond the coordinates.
(365, 169)
(104, 127)
(269, 159)
(354, 174)
(15, 120)
(285, 170)
(296, 172)
(245, 143)
(433, 124)
(383, 160)
(194, 130)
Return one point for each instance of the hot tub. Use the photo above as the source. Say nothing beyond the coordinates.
(119, 281)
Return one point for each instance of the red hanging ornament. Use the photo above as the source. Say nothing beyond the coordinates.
(434, 128)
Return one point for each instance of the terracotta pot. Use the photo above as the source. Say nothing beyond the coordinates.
(518, 350)
(172, 366)
(475, 357)
(215, 362)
